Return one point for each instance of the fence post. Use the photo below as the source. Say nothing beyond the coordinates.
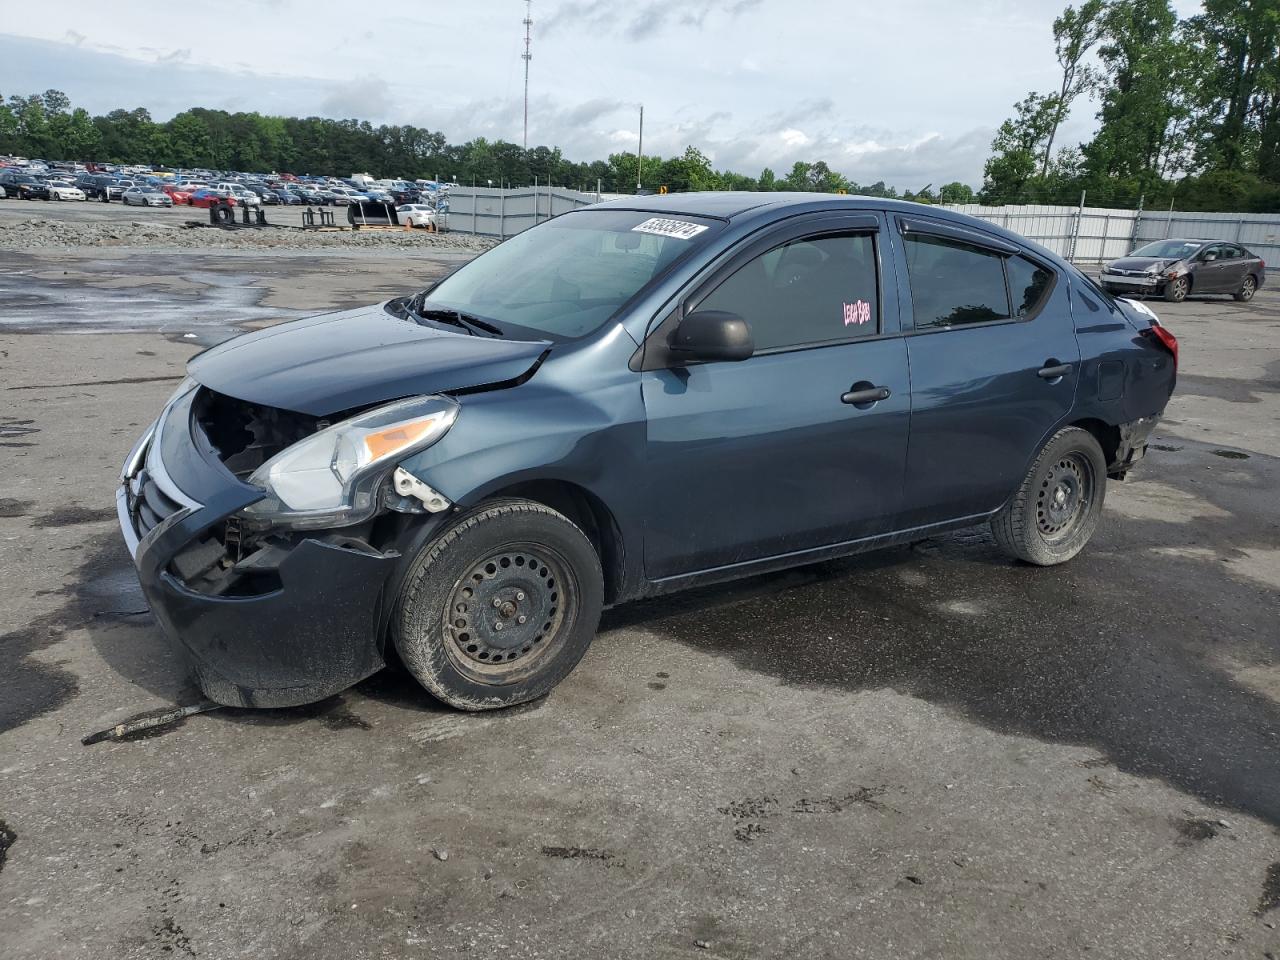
(502, 215)
(597, 189)
(1239, 227)
(1137, 221)
(1075, 234)
(1106, 232)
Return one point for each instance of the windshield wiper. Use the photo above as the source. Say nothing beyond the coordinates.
(457, 318)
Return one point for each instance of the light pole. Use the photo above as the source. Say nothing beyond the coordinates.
(640, 152)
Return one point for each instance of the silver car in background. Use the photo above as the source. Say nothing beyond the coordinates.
(1176, 268)
(147, 197)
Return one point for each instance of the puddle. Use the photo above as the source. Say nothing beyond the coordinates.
(91, 299)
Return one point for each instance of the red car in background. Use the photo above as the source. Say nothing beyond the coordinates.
(206, 197)
(177, 192)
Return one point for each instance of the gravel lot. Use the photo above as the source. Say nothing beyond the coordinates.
(39, 225)
(924, 752)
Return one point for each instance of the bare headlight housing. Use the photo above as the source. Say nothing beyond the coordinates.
(331, 478)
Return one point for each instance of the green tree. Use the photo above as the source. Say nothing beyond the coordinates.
(955, 192)
(1074, 34)
(1017, 147)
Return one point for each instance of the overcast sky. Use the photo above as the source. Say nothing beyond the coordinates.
(905, 91)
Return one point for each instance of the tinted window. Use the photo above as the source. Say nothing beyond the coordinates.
(805, 292)
(1028, 284)
(954, 283)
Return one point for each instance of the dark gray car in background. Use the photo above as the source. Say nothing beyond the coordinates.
(1175, 268)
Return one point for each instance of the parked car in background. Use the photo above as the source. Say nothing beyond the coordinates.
(1177, 268)
(177, 192)
(472, 472)
(286, 196)
(309, 194)
(23, 186)
(63, 190)
(244, 196)
(416, 215)
(147, 196)
(342, 196)
(94, 185)
(208, 196)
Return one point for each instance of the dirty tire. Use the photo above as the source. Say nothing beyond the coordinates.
(1176, 290)
(1247, 289)
(468, 579)
(1026, 527)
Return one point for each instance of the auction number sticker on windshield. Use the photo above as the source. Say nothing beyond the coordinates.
(680, 229)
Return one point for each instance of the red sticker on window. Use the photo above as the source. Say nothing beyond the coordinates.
(858, 312)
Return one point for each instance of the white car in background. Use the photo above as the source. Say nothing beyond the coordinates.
(61, 190)
(243, 195)
(416, 215)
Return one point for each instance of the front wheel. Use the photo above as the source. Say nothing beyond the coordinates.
(1058, 506)
(499, 608)
(1247, 289)
(1176, 290)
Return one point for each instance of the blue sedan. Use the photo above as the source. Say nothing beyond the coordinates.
(637, 397)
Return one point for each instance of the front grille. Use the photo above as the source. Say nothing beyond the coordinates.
(148, 504)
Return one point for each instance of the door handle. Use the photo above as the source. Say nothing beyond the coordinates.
(1052, 370)
(869, 395)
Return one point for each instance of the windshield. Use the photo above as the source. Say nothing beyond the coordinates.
(1168, 249)
(566, 277)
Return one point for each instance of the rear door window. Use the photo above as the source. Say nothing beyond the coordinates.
(1029, 285)
(806, 292)
(954, 283)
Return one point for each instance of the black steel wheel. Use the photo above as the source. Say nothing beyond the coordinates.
(500, 607)
(1059, 503)
(1062, 503)
(1247, 289)
(507, 614)
(1176, 290)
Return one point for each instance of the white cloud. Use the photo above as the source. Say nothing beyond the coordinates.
(881, 92)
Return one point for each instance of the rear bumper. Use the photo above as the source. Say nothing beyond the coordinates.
(1133, 445)
(313, 633)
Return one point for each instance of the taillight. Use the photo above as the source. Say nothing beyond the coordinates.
(1165, 338)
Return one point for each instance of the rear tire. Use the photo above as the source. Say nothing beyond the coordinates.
(499, 608)
(1176, 290)
(1247, 289)
(1059, 503)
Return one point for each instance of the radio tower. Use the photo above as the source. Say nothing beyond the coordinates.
(526, 57)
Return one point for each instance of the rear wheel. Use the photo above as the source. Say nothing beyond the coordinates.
(1247, 289)
(1176, 290)
(1057, 507)
(499, 608)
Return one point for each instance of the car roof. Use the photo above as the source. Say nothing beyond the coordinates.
(777, 205)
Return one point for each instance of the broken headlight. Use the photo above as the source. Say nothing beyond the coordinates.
(332, 477)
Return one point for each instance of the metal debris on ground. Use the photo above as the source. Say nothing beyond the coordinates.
(149, 721)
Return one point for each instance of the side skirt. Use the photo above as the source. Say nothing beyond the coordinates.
(751, 568)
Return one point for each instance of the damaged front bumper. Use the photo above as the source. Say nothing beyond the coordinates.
(284, 624)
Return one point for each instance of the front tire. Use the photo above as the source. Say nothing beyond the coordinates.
(1247, 289)
(1058, 506)
(1176, 290)
(499, 608)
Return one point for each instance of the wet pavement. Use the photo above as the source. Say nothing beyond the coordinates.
(926, 752)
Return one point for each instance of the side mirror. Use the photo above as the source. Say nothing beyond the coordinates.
(711, 335)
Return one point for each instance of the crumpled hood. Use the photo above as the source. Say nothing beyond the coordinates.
(338, 361)
(1141, 264)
